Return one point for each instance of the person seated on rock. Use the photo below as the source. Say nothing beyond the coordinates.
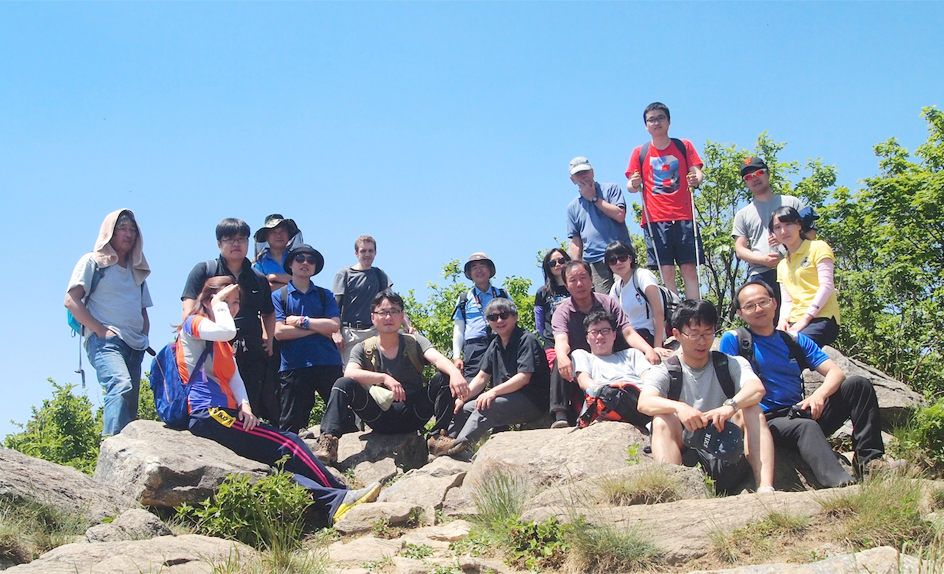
(570, 334)
(795, 421)
(220, 410)
(701, 396)
(602, 367)
(384, 385)
(515, 364)
(307, 316)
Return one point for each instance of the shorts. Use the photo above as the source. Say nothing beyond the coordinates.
(675, 241)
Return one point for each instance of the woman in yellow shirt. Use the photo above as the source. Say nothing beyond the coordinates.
(810, 305)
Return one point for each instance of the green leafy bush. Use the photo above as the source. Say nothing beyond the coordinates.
(63, 430)
(267, 513)
(925, 435)
(534, 545)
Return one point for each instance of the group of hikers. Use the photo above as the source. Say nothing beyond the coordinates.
(259, 340)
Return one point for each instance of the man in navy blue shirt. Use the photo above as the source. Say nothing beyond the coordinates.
(802, 422)
(306, 318)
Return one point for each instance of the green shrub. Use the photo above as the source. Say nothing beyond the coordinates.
(925, 435)
(266, 514)
(63, 430)
(533, 545)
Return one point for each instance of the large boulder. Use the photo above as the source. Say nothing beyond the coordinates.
(554, 456)
(895, 400)
(189, 554)
(881, 560)
(407, 450)
(427, 487)
(134, 524)
(161, 467)
(24, 478)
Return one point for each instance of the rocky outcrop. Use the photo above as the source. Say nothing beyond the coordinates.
(882, 560)
(28, 479)
(427, 487)
(134, 524)
(189, 554)
(161, 467)
(407, 450)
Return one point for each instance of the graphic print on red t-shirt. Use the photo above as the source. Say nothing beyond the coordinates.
(665, 187)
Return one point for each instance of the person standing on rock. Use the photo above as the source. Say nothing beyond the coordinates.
(703, 397)
(108, 296)
(471, 333)
(796, 421)
(384, 385)
(220, 409)
(274, 240)
(516, 366)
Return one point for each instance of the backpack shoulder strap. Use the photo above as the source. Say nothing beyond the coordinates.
(370, 352)
(720, 361)
(212, 267)
(796, 351)
(643, 152)
(460, 306)
(411, 351)
(641, 294)
(680, 145)
(674, 366)
(745, 343)
(97, 273)
(283, 297)
(503, 294)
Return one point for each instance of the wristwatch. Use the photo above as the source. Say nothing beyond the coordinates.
(731, 403)
(595, 199)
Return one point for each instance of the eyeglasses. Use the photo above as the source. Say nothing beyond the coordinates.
(753, 174)
(657, 119)
(387, 312)
(613, 259)
(499, 315)
(303, 258)
(763, 303)
(235, 241)
(556, 262)
(698, 336)
(599, 332)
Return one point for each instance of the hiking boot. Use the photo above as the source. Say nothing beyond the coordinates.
(355, 497)
(560, 420)
(882, 466)
(439, 444)
(327, 451)
(457, 446)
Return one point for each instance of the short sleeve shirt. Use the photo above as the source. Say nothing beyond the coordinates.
(549, 302)
(626, 366)
(117, 300)
(664, 182)
(592, 226)
(255, 295)
(569, 320)
(315, 349)
(267, 265)
(700, 387)
(522, 355)
(799, 276)
(357, 289)
(779, 371)
(634, 304)
(400, 367)
(751, 222)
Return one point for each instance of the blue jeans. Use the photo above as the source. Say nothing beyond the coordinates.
(118, 367)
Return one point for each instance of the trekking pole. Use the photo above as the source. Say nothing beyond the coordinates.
(697, 237)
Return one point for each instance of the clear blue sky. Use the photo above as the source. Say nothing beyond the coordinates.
(439, 128)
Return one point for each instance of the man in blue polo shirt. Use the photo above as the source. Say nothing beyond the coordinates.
(306, 318)
(595, 217)
(471, 334)
(798, 422)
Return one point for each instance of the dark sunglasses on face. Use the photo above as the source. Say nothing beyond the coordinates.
(302, 258)
(612, 259)
(556, 262)
(497, 316)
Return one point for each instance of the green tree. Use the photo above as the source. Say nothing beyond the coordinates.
(63, 430)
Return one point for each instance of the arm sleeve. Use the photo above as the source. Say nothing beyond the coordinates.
(692, 153)
(824, 272)
(339, 283)
(614, 195)
(277, 304)
(581, 361)
(82, 274)
(786, 302)
(539, 319)
(238, 388)
(814, 355)
(222, 329)
(526, 353)
(195, 281)
(331, 309)
(657, 379)
(572, 230)
(741, 372)
(634, 163)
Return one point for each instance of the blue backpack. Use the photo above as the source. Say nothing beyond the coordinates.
(170, 392)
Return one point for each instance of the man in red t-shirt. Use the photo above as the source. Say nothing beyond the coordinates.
(667, 176)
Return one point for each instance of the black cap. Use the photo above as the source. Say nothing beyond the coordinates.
(752, 164)
(303, 248)
(726, 444)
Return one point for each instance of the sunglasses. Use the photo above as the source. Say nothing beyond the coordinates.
(613, 259)
(754, 174)
(556, 262)
(302, 258)
(497, 316)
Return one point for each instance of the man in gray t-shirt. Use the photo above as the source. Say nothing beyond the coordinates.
(702, 400)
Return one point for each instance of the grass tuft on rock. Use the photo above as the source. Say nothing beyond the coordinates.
(599, 549)
(652, 484)
(28, 529)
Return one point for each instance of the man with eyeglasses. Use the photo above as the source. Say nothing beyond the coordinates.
(255, 321)
(799, 422)
(383, 382)
(753, 242)
(666, 170)
(702, 400)
(306, 318)
(595, 217)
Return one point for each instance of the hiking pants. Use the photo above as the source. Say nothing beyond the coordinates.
(470, 424)
(267, 444)
(298, 393)
(472, 354)
(565, 393)
(347, 395)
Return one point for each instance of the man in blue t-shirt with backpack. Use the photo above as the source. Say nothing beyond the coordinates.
(795, 421)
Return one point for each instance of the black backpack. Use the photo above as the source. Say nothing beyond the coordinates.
(720, 360)
(464, 298)
(746, 348)
(670, 301)
(679, 144)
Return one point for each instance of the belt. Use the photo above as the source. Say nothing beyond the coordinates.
(476, 340)
(358, 325)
